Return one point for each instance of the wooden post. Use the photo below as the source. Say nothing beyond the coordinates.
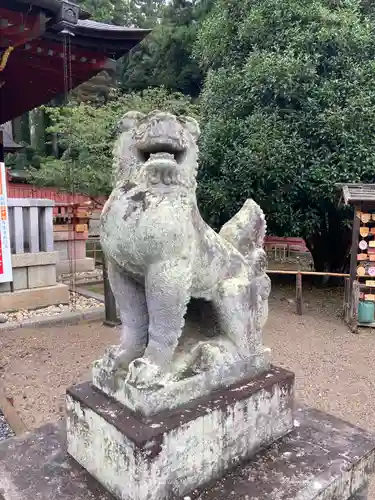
(354, 306)
(354, 249)
(95, 263)
(299, 302)
(347, 301)
(11, 416)
(354, 285)
(111, 318)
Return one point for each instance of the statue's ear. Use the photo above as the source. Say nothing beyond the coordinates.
(128, 121)
(192, 125)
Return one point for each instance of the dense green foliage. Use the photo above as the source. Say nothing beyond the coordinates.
(288, 110)
(164, 58)
(86, 134)
(138, 13)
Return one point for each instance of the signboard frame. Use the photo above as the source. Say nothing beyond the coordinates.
(6, 271)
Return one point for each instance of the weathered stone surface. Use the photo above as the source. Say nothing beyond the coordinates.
(5, 287)
(169, 454)
(323, 458)
(30, 202)
(40, 276)
(69, 249)
(81, 265)
(34, 298)
(199, 382)
(34, 259)
(69, 235)
(20, 279)
(162, 254)
(72, 246)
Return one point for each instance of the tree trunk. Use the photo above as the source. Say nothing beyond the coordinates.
(37, 130)
(330, 248)
(17, 129)
(54, 145)
(25, 128)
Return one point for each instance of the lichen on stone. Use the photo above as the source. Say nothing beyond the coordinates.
(161, 255)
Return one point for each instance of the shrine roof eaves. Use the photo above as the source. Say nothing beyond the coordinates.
(85, 26)
(356, 193)
(38, 49)
(52, 6)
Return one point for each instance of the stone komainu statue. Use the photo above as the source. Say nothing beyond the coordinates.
(161, 254)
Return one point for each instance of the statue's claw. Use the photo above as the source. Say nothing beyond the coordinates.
(145, 375)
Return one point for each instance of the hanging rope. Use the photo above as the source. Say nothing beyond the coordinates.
(5, 57)
(68, 84)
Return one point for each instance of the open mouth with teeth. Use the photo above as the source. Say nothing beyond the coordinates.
(162, 167)
(161, 153)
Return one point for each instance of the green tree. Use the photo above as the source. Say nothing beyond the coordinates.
(86, 134)
(101, 10)
(288, 111)
(164, 58)
(138, 13)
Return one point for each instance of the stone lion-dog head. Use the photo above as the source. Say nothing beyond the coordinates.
(159, 148)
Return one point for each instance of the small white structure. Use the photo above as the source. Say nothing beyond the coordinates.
(33, 257)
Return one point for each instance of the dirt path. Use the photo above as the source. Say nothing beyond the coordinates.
(37, 365)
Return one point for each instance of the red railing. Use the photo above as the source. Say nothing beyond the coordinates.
(16, 190)
(60, 197)
(293, 243)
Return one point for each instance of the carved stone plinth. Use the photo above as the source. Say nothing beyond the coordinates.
(171, 453)
(222, 372)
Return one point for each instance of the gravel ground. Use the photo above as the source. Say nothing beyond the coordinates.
(77, 303)
(335, 369)
(5, 430)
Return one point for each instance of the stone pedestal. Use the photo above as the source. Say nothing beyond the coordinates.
(72, 245)
(323, 458)
(169, 454)
(34, 283)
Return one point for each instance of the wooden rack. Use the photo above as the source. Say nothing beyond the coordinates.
(362, 256)
(71, 216)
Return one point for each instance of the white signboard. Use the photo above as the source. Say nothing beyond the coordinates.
(6, 273)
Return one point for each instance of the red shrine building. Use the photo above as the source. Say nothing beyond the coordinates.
(35, 38)
(47, 48)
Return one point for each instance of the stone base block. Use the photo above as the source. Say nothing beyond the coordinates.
(34, 298)
(323, 458)
(40, 276)
(171, 453)
(81, 266)
(20, 279)
(68, 246)
(32, 270)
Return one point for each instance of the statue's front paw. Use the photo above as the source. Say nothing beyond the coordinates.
(144, 375)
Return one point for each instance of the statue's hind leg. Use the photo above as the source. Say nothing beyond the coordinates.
(131, 300)
(235, 302)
